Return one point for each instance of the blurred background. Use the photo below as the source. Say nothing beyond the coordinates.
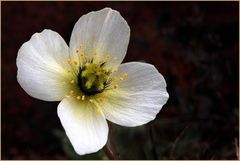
(195, 45)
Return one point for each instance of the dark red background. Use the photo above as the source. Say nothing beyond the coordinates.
(193, 44)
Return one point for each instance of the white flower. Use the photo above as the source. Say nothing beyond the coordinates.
(88, 79)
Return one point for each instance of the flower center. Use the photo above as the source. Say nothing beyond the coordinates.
(93, 78)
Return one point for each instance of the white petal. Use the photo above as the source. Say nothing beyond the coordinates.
(105, 31)
(140, 96)
(40, 63)
(85, 127)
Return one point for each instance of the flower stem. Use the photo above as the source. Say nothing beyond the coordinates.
(153, 148)
(109, 152)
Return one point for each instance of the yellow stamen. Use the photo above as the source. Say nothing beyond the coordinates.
(83, 98)
(69, 61)
(99, 110)
(71, 92)
(78, 97)
(75, 62)
(115, 86)
(115, 69)
(125, 75)
(77, 51)
(67, 96)
(81, 46)
(91, 100)
(121, 78)
(72, 81)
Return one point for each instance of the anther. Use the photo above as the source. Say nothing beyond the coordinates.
(75, 62)
(72, 81)
(115, 69)
(78, 97)
(69, 61)
(125, 75)
(67, 96)
(81, 46)
(121, 78)
(77, 51)
(91, 100)
(83, 98)
(71, 92)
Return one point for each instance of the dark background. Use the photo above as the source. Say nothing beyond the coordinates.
(195, 46)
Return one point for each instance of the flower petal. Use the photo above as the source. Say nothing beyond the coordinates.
(105, 31)
(140, 96)
(40, 63)
(85, 127)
